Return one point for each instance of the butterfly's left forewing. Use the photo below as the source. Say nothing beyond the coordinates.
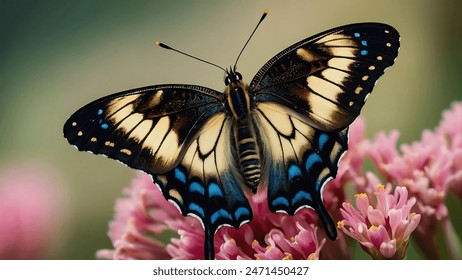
(328, 77)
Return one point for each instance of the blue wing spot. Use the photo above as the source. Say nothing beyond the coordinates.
(294, 171)
(311, 160)
(196, 187)
(301, 195)
(322, 140)
(196, 209)
(357, 35)
(104, 126)
(180, 175)
(241, 211)
(364, 52)
(100, 111)
(364, 43)
(214, 190)
(280, 200)
(222, 213)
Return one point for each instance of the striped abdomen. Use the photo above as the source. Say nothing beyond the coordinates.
(248, 152)
(240, 104)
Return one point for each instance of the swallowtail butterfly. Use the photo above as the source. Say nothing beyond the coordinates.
(209, 150)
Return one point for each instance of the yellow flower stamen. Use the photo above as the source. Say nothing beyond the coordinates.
(288, 257)
(374, 227)
(340, 224)
(380, 187)
(360, 195)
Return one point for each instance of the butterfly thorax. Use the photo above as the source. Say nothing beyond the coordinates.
(240, 104)
(238, 98)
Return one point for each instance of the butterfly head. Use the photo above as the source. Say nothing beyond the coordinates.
(232, 77)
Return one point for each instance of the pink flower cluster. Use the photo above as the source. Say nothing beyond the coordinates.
(382, 227)
(143, 217)
(429, 168)
(382, 224)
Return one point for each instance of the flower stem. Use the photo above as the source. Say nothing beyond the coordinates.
(451, 239)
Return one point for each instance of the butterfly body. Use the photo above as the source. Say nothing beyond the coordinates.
(286, 130)
(240, 108)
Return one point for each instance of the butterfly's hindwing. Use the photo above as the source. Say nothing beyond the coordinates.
(328, 77)
(303, 160)
(206, 184)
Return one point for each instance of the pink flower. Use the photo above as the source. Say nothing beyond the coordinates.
(450, 128)
(141, 214)
(350, 167)
(30, 211)
(428, 168)
(144, 215)
(382, 227)
(451, 124)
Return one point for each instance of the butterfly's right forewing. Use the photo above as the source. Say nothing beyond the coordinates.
(147, 128)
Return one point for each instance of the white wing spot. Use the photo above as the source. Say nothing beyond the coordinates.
(80, 133)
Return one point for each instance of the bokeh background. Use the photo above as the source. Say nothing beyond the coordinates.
(56, 56)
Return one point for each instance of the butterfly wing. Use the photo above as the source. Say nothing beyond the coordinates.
(147, 128)
(206, 184)
(180, 135)
(328, 77)
(302, 161)
(307, 96)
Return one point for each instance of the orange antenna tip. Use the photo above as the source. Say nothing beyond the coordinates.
(266, 11)
(162, 45)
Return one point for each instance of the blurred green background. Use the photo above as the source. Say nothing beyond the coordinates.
(56, 56)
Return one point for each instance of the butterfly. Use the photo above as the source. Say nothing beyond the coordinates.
(288, 129)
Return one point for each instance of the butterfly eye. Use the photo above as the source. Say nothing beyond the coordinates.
(227, 81)
(238, 76)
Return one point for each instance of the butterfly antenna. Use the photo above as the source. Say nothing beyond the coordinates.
(265, 13)
(162, 45)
